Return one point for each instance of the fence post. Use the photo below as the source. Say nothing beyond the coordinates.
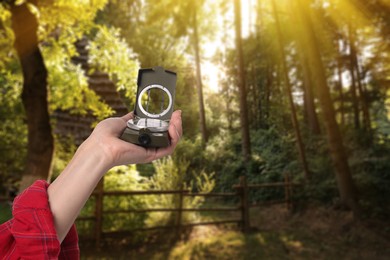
(244, 204)
(180, 211)
(99, 212)
(287, 190)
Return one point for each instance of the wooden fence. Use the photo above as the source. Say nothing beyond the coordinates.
(241, 193)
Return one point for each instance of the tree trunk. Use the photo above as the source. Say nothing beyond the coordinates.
(199, 85)
(257, 102)
(267, 94)
(301, 149)
(356, 71)
(355, 101)
(345, 183)
(339, 85)
(309, 104)
(34, 96)
(310, 114)
(246, 146)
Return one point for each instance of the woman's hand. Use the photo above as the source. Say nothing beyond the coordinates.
(101, 151)
(106, 135)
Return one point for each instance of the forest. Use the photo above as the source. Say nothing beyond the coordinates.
(267, 88)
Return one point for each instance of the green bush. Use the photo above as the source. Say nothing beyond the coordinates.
(171, 176)
(123, 178)
(13, 130)
(273, 154)
(168, 176)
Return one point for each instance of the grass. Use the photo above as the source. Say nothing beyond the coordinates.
(229, 245)
(313, 233)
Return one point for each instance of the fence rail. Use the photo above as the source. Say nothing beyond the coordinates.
(241, 192)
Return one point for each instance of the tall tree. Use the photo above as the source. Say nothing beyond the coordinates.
(246, 146)
(52, 26)
(339, 86)
(294, 119)
(195, 43)
(310, 114)
(339, 157)
(356, 78)
(309, 106)
(353, 89)
(34, 96)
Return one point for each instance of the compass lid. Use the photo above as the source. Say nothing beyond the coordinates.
(160, 80)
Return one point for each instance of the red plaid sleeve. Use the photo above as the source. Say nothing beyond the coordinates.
(31, 233)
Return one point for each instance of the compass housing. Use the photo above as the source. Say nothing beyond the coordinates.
(153, 108)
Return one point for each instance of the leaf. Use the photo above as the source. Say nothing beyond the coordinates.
(19, 2)
(33, 9)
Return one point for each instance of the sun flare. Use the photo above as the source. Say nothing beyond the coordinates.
(211, 73)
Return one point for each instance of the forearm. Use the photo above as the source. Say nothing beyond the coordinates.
(101, 151)
(69, 192)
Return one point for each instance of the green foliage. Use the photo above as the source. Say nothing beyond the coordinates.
(277, 150)
(67, 21)
(13, 131)
(322, 184)
(123, 178)
(371, 170)
(154, 33)
(152, 36)
(6, 39)
(223, 157)
(5, 212)
(185, 100)
(172, 176)
(68, 85)
(190, 151)
(109, 52)
(61, 24)
(381, 113)
(273, 155)
(215, 118)
(168, 176)
(232, 245)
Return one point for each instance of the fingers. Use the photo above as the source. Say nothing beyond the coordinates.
(175, 132)
(175, 127)
(128, 116)
(137, 154)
